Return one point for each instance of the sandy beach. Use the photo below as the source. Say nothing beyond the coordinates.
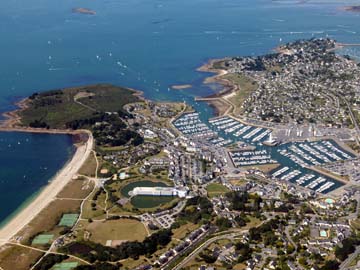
(58, 182)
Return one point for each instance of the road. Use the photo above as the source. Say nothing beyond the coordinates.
(351, 257)
(353, 118)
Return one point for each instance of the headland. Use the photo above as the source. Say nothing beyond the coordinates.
(26, 118)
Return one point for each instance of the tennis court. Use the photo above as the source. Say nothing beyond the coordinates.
(42, 239)
(65, 266)
(68, 220)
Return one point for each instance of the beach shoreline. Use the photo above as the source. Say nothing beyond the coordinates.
(48, 193)
(218, 101)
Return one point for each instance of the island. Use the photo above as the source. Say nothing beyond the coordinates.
(181, 86)
(85, 11)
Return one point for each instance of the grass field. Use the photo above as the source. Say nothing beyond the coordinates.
(246, 87)
(58, 107)
(215, 189)
(65, 266)
(16, 257)
(355, 224)
(88, 212)
(184, 230)
(68, 220)
(42, 239)
(89, 167)
(48, 219)
(121, 229)
(77, 189)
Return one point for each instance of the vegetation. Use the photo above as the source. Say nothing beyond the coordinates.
(97, 266)
(126, 229)
(265, 232)
(347, 247)
(17, 257)
(330, 265)
(215, 189)
(93, 252)
(244, 250)
(56, 108)
(197, 209)
(223, 223)
(49, 261)
(241, 201)
(246, 87)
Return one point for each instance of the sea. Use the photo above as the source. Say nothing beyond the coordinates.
(146, 45)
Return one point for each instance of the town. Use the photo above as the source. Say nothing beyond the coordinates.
(167, 187)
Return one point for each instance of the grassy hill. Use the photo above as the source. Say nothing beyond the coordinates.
(57, 107)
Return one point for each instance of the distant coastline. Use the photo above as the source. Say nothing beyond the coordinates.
(351, 8)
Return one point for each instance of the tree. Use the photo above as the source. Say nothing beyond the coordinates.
(330, 265)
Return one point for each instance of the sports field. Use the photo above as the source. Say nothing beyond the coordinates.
(68, 220)
(42, 239)
(65, 266)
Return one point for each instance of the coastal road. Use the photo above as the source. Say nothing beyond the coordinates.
(60, 180)
(349, 259)
(353, 118)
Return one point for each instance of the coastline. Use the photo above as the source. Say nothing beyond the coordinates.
(218, 101)
(49, 192)
(36, 203)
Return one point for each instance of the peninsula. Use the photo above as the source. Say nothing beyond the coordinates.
(305, 82)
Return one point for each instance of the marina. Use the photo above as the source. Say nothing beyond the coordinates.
(190, 124)
(247, 158)
(232, 127)
(281, 171)
(296, 158)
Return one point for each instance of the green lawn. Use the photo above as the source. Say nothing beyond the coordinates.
(121, 229)
(65, 266)
(42, 239)
(58, 107)
(68, 220)
(246, 87)
(215, 189)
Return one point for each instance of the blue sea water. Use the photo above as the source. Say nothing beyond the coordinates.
(147, 45)
(28, 161)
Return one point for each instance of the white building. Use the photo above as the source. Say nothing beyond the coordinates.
(158, 191)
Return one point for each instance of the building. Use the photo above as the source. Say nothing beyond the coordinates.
(159, 191)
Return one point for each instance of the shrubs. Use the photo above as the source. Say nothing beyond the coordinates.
(92, 252)
(348, 247)
(197, 209)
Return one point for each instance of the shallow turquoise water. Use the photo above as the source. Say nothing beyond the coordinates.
(148, 45)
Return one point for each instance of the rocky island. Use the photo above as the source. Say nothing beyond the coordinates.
(85, 11)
